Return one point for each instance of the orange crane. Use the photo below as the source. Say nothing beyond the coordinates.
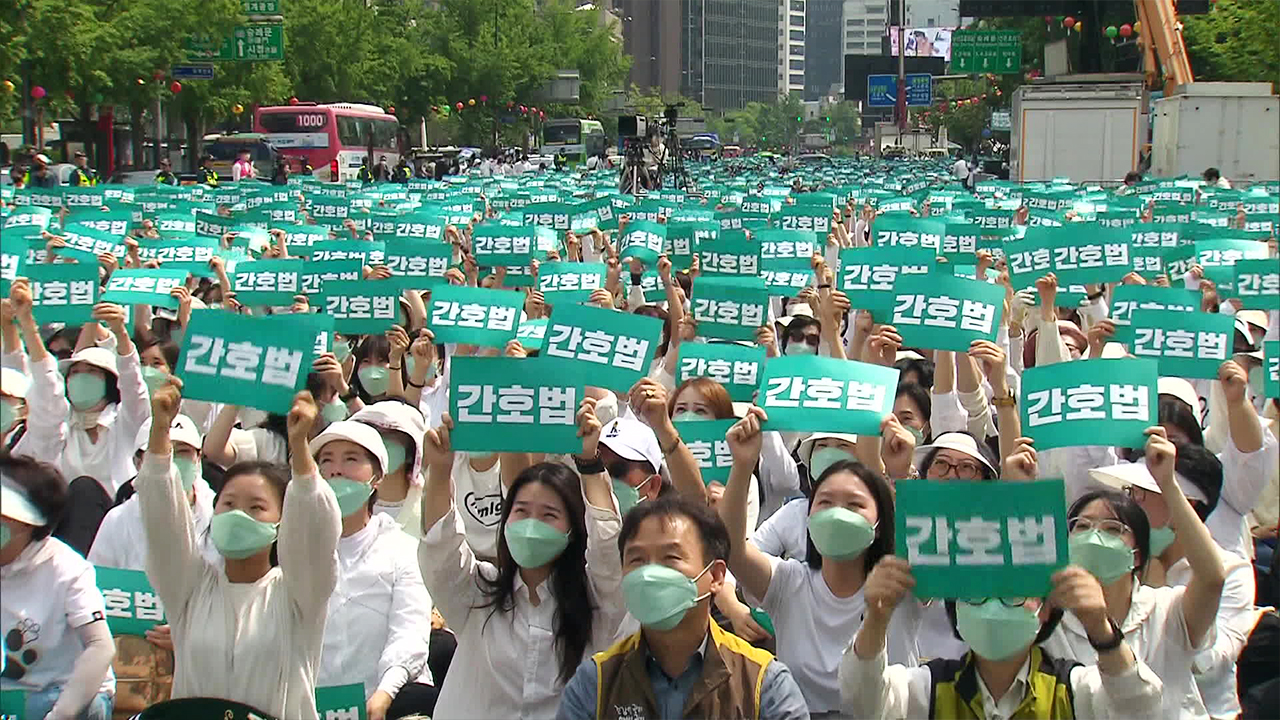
(1162, 38)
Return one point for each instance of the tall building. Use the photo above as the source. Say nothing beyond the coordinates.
(791, 46)
(651, 35)
(824, 47)
(933, 13)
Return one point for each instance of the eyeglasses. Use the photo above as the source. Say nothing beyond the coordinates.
(965, 470)
(1137, 493)
(1007, 602)
(1107, 525)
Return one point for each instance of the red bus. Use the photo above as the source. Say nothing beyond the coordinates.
(333, 137)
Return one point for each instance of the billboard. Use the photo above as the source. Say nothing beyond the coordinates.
(923, 42)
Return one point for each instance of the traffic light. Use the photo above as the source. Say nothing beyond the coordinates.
(799, 118)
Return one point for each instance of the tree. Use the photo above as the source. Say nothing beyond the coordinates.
(1236, 42)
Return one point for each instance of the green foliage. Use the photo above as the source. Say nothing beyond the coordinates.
(1236, 42)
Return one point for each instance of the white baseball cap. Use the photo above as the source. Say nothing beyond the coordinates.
(398, 416)
(1136, 474)
(632, 440)
(13, 383)
(357, 432)
(15, 505)
(41, 157)
(805, 451)
(182, 430)
(1181, 389)
(958, 441)
(908, 355)
(99, 357)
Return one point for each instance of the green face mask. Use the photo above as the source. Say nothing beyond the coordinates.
(995, 631)
(237, 535)
(839, 533)
(825, 457)
(334, 411)
(797, 347)
(627, 496)
(659, 597)
(341, 350)
(686, 416)
(5, 535)
(375, 379)
(85, 390)
(352, 495)
(534, 543)
(187, 470)
(1104, 555)
(396, 454)
(1161, 539)
(916, 433)
(8, 416)
(154, 378)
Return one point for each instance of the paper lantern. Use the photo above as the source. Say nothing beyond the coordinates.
(1112, 31)
(1069, 22)
(141, 81)
(293, 100)
(1079, 26)
(237, 108)
(458, 105)
(391, 110)
(7, 85)
(157, 75)
(38, 92)
(484, 98)
(510, 104)
(471, 102)
(1137, 28)
(175, 87)
(1126, 30)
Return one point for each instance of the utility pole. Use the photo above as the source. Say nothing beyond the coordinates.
(902, 66)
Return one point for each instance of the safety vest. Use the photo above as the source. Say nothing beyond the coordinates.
(730, 685)
(956, 696)
(83, 178)
(166, 178)
(364, 175)
(210, 177)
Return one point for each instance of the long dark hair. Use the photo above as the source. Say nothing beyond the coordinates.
(881, 494)
(575, 612)
(1126, 511)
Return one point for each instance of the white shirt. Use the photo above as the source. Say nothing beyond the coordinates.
(121, 540)
(52, 436)
(506, 664)
(785, 533)
(814, 627)
(960, 169)
(479, 495)
(778, 474)
(46, 595)
(259, 444)
(257, 643)
(379, 622)
(1156, 630)
(1215, 666)
(873, 689)
(407, 512)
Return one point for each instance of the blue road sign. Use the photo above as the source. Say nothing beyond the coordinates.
(192, 72)
(882, 90)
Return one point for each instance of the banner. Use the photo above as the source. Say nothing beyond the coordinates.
(1258, 283)
(1078, 254)
(133, 607)
(257, 362)
(1089, 402)
(474, 316)
(787, 250)
(418, 265)
(729, 255)
(978, 540)
(570, 282)
(1184, 344)
(1271, 372)
(341, 702)
(642, 240)
(267, 282)
(496, 246)
(730, 308)
(63, 292)
(614, 349)
(144, 287)
(946, 312)
(705, 440)
(502, 404)
(360, 307)
(820, 394)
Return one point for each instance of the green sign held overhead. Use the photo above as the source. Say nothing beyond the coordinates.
(1271, 374)
(819, 394)
(1089, 402)
(946, 312)
(614, 349)
(705, 440)
(986, 51)
(474, 316)
(341, 701)
(504, 404)
(1185, 344)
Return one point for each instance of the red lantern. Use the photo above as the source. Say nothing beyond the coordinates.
(510, 104)
(542, 116)
(435, 108)
(458, 105)
(535, 109)
(158, 75)
(1069, 22)
(523, 109)
(38, 92)
(175, 87)
(1126, 30)
(484, 98)
(293, 100)
(391, 110)
(1048, 18)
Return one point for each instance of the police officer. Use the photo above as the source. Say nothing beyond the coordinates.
(307, 170)
(82, 175)
(364, 175)
(166, 176)
(403, 172)
(206, 174)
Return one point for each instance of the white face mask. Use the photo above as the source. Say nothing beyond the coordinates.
(607, 409)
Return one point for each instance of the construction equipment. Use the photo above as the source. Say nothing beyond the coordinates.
(1162, 39)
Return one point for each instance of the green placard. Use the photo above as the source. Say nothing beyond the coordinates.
(360, 307)
(551, 215)
(811, 219)
(908, 232)
(258, 362)
(1184, 344)
(642, 240)
(867, 275)
(133, 607)
(474, 316)
(267, 282)
(31, 217)
(175, 223)
(502, 404)
(1258, 283)
(787, 282)
(13, 705)
(1128, 298)
(111, 222)
(144, 287)
(1218, 256)
(340, 701)
(729, 255)
(787, 250)
(960, 242)
(705, 440)
(683, 239)
(418, 265)
(1089, 402)
(946, 312)
(730, 308)
(86, 244)
(420, 225)
(63, 292)
(83, 197)
(734, 366)
(820, 394)
(9, 263)
(532, 334)
(978, 540)
(1078, 254)
(366, 251)
(1271, 375)
(496, 245)
(570, 281)
(612, 348)
(316, 273)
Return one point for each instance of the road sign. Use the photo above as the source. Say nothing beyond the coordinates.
(882, 90)
(986, 51)
(260, 7)
(1001, 120)
(247, 42)
(202, 71)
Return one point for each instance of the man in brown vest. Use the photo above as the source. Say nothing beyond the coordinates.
(681, 664)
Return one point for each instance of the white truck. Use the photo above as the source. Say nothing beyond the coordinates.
(1087, 128)
(911, 141)
(1234, 127)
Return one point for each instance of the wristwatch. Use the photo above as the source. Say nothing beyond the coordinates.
(1117, 637)
(1007, 400)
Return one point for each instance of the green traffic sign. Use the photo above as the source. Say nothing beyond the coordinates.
(247, 43)
(260, 7)
(982, 51)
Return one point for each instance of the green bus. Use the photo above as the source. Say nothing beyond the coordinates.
(576, 138)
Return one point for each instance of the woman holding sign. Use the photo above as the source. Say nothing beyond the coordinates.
(552, 598)
(816, 605)
(249, 630)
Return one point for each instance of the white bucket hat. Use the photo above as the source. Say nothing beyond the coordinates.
(13, 383)
(1137, 475)
(805, 451)
(957, 441)
(1181, 389)
(395, 415)
(357, 432)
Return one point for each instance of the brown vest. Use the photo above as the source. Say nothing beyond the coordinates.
(732, 678)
